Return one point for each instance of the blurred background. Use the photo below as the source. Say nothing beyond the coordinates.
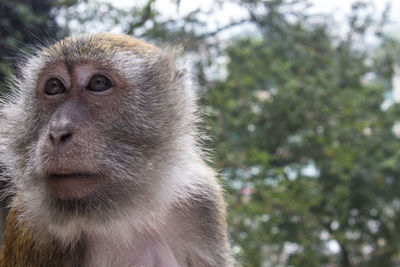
(302, 103)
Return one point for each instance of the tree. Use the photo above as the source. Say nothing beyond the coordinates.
(308, 153)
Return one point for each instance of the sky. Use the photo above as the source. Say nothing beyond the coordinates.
(337, 8)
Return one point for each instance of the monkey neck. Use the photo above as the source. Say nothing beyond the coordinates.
(121, 241)
(167, 243)
(148, 248)
(22, 247)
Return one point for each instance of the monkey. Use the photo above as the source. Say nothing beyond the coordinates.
(100, 140)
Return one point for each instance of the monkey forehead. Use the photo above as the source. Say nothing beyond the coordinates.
(88, 46)
(130, 57)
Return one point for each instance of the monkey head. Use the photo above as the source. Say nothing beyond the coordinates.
(90, 129)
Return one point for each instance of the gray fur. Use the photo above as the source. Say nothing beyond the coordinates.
(148, 146)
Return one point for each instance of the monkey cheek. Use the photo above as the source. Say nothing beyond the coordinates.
(73, 187)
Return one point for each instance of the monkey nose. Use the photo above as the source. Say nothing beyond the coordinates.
(60, 133)
(59, 137)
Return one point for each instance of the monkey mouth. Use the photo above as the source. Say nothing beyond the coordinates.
(70, 175)
(72, 185)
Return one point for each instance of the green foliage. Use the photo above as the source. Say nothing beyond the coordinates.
(307, 151)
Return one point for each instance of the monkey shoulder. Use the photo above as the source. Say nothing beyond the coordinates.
(201, 227)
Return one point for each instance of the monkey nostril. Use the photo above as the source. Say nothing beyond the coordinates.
(59, 137)
(64, 137)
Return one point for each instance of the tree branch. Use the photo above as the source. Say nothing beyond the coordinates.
(213, 33)
(147, 14)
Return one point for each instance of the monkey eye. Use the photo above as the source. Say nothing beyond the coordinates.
(99, 83)
(54, 87)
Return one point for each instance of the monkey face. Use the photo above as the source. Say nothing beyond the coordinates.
(92, 124)
(86, 106)
(72, 143)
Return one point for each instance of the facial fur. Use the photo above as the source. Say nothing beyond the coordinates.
(80, 159)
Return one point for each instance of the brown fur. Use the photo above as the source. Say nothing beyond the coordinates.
(21, 249)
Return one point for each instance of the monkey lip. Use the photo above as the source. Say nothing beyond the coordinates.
(72, 185)
(70, 175)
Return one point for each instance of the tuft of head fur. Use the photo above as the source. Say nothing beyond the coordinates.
(150, 147)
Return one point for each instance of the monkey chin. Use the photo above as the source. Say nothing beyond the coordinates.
(73, 186)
